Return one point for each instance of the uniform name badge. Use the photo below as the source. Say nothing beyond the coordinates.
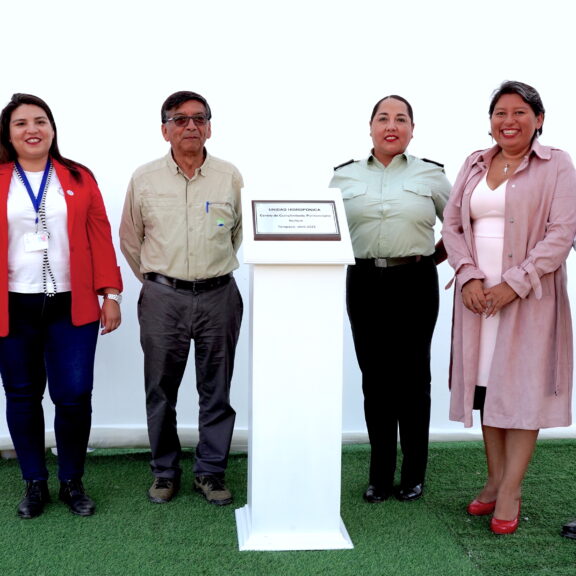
(35, 241)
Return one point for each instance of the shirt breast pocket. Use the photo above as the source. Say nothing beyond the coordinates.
(419, 189)
(220, 218)
(354, 192)
(157, 210)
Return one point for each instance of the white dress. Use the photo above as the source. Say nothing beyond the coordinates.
(487, 214)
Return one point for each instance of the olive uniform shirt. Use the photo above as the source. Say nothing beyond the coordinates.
(391, 210)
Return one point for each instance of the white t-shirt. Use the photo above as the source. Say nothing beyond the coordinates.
(25, 267)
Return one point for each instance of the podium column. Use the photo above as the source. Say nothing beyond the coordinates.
(295, 436)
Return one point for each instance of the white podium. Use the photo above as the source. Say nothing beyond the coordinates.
(297, 296)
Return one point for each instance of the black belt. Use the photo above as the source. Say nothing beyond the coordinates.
(192, 285)
(388, 262)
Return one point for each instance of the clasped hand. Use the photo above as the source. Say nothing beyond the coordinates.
(486, 301)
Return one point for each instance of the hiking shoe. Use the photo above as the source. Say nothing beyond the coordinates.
(35, 497)
(213, 489)
(163, 490)
(72, 493)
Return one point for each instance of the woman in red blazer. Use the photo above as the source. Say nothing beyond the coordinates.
(56, 257)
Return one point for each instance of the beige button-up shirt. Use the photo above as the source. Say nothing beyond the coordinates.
(186, 228)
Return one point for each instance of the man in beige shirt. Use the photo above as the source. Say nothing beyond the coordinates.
(180, 232)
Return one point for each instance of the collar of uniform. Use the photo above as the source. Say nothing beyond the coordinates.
(372, 160)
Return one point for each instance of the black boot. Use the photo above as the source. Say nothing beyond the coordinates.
(35, 497)
(72, 493)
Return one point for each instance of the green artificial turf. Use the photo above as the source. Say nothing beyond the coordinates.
(128, 536)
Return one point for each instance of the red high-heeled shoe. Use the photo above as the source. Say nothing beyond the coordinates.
(477, 508)
(505, 526)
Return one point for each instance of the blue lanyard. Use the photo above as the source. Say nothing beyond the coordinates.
(36, 200)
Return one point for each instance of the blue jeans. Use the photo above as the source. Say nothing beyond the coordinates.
(43, 344)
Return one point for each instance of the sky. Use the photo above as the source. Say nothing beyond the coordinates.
(291, 86)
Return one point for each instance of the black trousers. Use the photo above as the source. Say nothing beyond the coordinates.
(393, 312)
(169, 319)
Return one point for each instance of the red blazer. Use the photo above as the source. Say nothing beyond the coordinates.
(93, 264)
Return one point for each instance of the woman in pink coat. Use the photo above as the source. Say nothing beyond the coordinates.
(508, 229)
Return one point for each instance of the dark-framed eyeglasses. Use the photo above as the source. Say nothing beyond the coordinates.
(183, 121)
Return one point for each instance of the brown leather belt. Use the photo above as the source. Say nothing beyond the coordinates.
(191, 285)
(388, 262)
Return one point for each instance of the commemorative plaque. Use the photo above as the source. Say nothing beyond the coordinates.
(295, 220)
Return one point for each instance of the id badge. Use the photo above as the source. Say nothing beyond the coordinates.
(35, 241)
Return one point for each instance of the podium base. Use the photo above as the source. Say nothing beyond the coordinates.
(249, 539)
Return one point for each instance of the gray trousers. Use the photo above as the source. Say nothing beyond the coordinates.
(169, 319)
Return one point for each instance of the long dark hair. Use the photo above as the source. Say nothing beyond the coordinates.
(7, 151)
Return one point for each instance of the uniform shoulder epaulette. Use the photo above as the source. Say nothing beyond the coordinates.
(344, 164)
(433, 162)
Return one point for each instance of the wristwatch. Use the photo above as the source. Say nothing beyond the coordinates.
(115, 297)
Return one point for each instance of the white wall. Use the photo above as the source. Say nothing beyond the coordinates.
(291, 85)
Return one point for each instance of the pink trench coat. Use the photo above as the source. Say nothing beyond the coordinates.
(530, 385)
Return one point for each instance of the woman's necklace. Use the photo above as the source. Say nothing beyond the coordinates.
(509, 163)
